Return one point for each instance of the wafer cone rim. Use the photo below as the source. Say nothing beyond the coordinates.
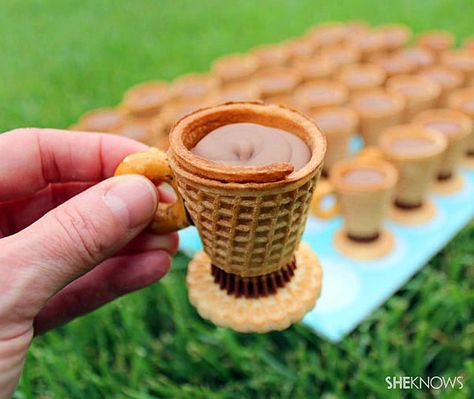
(348, 114)
(376, 70)
(302, 97)
(341, 167)
(429, 88)
(464, 121)
(200, 170)
(399, 104)
(457, 75)
(410, 130)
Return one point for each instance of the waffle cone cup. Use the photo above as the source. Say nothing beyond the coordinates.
(416, 169)
(363, 208)
(374, 119)
(457, 142)
(250, 219)
(420, 93)
(339, 124)
(463, 101)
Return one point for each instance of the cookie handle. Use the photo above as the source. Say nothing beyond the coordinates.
(153, 164)
(323, 190)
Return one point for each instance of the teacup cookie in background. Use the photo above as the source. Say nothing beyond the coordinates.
(339, 124)
(176, 109)
(342, 54)
(235, 68)
(369, 43)
(449, 79)
(420, 93)
(361, 77)
(318, 94)
(377, 110)
(315, 68)
(461, 60)
(193, 86)
(463, 100)
(396, 36)
(394, 64)
(234, 92)
(104, 120)
(327, 34)
(145, 100)
(457, 128)
(364, 189)
(274, 82)
(436, 41)
(420, 56)
(300, 48)
(138, 129)
(416, 152)
(271, 55)
(355, 26)
(468, 43)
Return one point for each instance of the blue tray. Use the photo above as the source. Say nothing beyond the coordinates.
(353, 289)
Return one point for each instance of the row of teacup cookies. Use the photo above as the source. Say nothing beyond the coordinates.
(393, 180)
(301, 73)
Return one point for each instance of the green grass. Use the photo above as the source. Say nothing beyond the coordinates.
(60, 58)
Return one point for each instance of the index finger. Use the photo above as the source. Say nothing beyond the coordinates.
(31, 159)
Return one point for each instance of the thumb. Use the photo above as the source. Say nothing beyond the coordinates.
(74, 237)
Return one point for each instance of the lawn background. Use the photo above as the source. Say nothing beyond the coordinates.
(60, 58)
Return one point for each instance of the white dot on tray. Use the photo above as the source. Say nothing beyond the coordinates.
(340, 288)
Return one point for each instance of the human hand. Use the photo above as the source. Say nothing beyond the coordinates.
(70, 241)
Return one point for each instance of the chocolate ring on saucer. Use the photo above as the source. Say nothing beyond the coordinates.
(247, 313)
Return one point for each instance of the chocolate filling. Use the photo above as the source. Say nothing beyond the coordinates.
(253, 287)
(470, 153)
(405, 206)
(363, 239)
(444, 177)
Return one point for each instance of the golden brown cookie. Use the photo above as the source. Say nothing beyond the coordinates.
(274, 312)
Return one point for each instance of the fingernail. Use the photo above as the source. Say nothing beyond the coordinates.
(132, 199)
